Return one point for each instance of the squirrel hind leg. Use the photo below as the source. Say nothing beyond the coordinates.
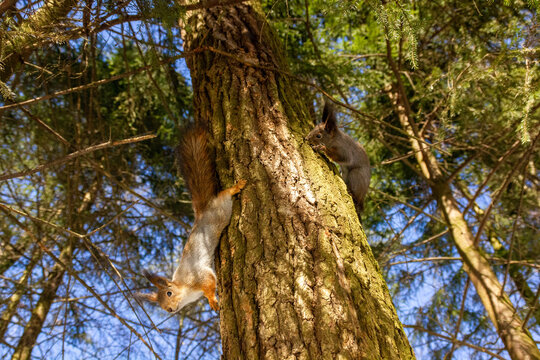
(234, 189)
(208, 286)
(359, 207)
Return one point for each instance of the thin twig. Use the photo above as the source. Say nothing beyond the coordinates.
(476, 347)
(532, 309)
(408, 205)
(497, 193)
(431, 238)
(500, 161)
(411, 153)
(71, 272)
(86, 86)
(76, 154)
(514, 226)
(45, 222)
(440, 258)
(458, 325)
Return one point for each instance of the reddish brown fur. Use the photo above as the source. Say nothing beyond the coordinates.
(208, 287)
(194, 159)
(333, 153)
(234, 189)
(195, 275)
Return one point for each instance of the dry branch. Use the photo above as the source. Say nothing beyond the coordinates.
(76, 154)
(472, 346)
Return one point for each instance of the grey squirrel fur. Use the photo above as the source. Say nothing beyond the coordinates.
(327, 138)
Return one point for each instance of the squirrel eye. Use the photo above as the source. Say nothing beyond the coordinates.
(169, 293)
(319, 136)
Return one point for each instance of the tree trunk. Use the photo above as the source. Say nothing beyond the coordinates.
(516, 338)
(514, 269)
(297, 278)
(20, 290)
(519, 280)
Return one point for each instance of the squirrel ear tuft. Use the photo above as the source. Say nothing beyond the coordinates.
(152, 297)
(329, 117)
(159, 281)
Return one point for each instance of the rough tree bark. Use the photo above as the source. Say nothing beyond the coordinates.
(297, 278)
(517, 340)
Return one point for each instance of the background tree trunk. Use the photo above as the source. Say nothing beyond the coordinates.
(517, 340)
(40, 311)
(297, 277)
(14, 300)
(521, 284)
(55, 277)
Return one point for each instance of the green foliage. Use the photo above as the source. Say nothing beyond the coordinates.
(470, 74)
(166, 12)
(6, 92)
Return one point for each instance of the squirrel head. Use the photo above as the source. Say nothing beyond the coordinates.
(323, 133)
(170, 295)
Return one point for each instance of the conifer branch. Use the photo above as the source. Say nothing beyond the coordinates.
(74, 155)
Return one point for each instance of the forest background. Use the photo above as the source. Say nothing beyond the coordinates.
(444, 96)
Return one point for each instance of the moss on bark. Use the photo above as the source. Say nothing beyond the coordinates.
(297, 278)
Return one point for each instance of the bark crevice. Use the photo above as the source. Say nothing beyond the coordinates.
(289, 279)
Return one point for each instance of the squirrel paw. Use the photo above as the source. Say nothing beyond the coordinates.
(239, 186)
(214, 304)
(320, 148)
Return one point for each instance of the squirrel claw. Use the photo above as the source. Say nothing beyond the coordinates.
(214, 305)
(320, 148)
(241, 183)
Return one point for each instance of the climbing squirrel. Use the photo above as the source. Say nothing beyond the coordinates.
(195, 275)
(327, 138)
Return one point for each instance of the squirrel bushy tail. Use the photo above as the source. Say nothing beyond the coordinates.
(195, 275)
(197, 168)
